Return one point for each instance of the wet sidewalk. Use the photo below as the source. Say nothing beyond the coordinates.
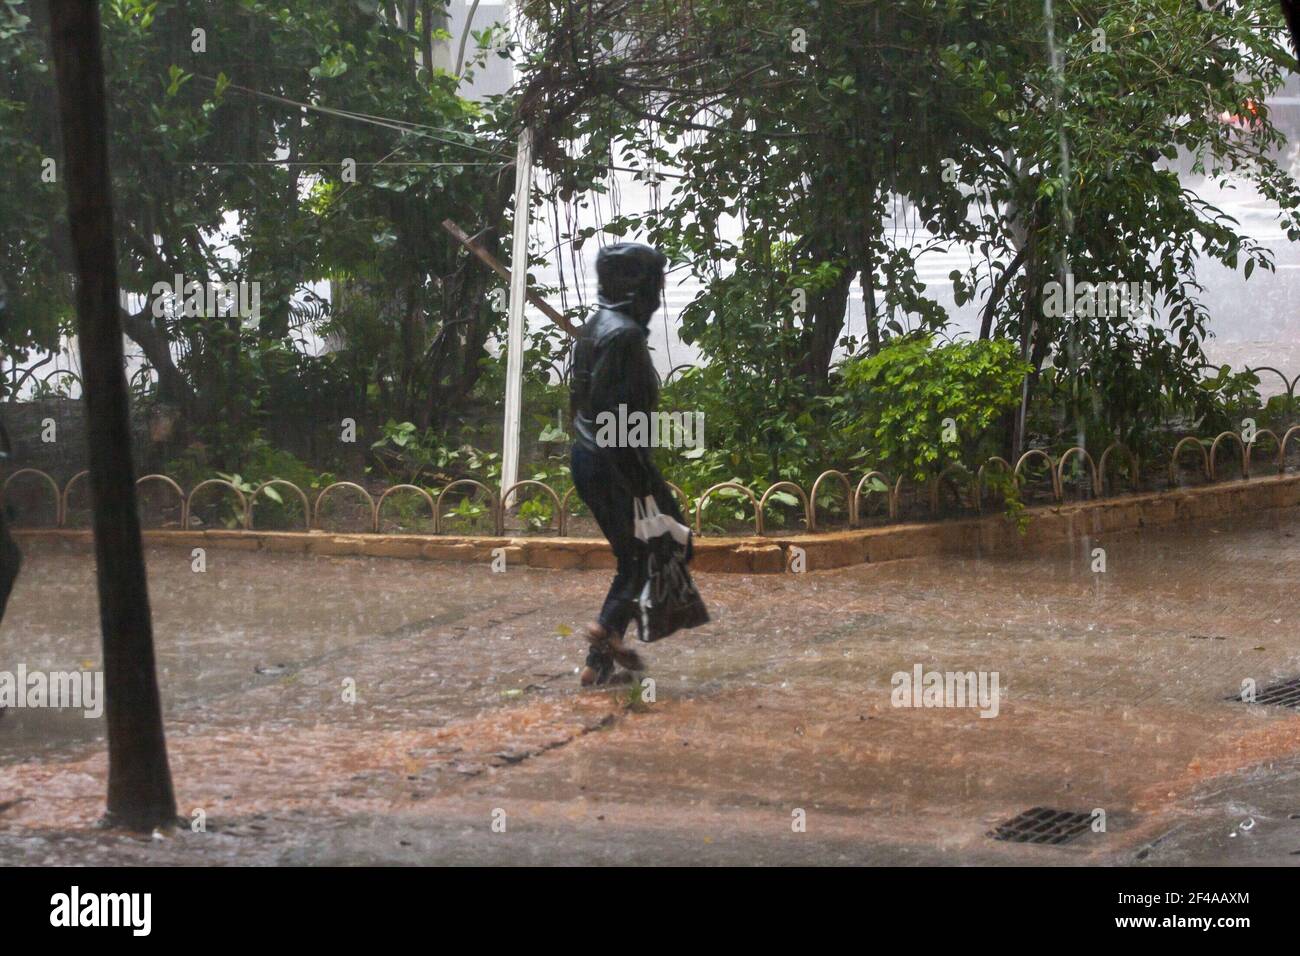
(772, 737)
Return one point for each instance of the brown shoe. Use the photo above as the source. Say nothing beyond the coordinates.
(593, 676)
(603, 641)
(596, 677)
(599, 666)
(624, 656)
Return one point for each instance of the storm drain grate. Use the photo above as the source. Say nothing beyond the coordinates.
(1042, 825)
(1284, 694)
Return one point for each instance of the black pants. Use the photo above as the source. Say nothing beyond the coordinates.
(610, 503)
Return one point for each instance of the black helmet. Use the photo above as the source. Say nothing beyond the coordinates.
(631, 278)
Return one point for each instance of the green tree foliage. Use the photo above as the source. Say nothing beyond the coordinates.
(844, 140)
(1081, 180)
(812, 151)
(231, 126)
(915, 408)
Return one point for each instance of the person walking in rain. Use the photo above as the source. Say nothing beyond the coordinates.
(612, 367)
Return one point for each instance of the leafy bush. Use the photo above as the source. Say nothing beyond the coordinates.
(407, 454)
(914, 408)
(262, 462)
(1224, 399)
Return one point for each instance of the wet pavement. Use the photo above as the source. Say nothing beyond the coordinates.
(772, 737)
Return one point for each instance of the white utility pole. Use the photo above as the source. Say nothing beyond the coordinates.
(515, 322)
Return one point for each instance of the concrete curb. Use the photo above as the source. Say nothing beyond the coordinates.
(769, 555)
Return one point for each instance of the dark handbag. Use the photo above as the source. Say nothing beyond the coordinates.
(669, 600)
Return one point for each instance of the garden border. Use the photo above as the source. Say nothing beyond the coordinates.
(993, 534)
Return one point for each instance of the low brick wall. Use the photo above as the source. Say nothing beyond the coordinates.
(67, 454)
(770, 555)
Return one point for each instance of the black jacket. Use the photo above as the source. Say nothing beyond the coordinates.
(611, 361)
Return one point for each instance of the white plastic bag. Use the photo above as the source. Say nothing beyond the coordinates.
(649, 522)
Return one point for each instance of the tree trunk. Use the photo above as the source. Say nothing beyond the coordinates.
(826, 322)
(999, 290)
(1030, 336)
(139, 781)
(173, 388)
(868, 281)
(426, 39)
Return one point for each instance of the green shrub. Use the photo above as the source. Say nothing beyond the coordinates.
(914, 408)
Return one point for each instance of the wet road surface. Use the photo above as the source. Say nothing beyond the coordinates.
(772, 738)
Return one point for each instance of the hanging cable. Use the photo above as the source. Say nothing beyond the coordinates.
(401, 126)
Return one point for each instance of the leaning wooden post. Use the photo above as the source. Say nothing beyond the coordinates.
(139, 781)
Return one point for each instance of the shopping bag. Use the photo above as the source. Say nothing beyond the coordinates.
(668, 600)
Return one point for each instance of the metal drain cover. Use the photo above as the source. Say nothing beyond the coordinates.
(1042, 825)
(1283, 694)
